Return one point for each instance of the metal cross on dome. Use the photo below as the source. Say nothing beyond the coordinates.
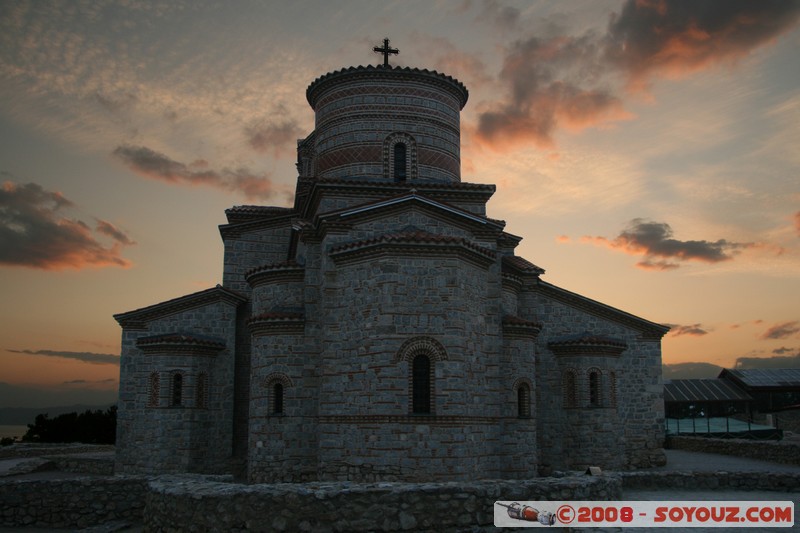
(385, 50)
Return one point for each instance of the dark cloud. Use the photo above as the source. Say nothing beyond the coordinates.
(654, 241)
(86, 357)
(675, 37)
(34, 232)
(782, 331)
(797, 222)
(694, 330)
(573, 81)
(276, 138)
(158, 166)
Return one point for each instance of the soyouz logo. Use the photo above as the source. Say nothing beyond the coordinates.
(644, 514)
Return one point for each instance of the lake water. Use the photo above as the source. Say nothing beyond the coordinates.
(12, 431)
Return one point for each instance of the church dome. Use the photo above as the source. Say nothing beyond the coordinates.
(386, 122)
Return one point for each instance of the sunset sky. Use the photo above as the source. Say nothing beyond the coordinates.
(647, 152)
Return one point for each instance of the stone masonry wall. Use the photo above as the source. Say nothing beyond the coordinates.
(374, 306)
(71, 503)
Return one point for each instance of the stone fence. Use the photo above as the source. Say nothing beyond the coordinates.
(199, 505)
(71, 503)
(766, 450)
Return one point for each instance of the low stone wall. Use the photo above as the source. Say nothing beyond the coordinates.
(197, 505)
(770, 450)
(100, 464)
(71, 503)
(772, 481)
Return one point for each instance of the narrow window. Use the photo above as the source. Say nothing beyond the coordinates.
(153, 393)
(201, 393)
(400, 162)
(421, 385)
(277, 399)
(523, 401)
(177, 389)
(594, 388)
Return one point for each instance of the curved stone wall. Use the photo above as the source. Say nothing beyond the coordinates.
(360, 111)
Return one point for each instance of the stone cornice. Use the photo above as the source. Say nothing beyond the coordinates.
(289, 271)
(413, 243)
(517, 327)
(181, 344)
(587, 344)
(277, 323)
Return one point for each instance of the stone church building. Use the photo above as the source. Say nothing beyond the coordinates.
(382, 328)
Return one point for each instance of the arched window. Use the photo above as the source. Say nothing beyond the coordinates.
(523, 401)
(201, 392)
(421, 385)
(177, 389)
(154, 390)
(570, 388)
(595, 398)
(277, 399)
(276, 385)
(400, 157)
(400, 166)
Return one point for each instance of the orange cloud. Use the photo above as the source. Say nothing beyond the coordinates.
(797, 222)
(33, 232)
(568, 81)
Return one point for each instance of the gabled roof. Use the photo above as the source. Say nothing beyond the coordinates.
(764, 378)
(253, 218)
(138, 317)
(247, 213)
(649, 329)
(412, 197)
(703, 390)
